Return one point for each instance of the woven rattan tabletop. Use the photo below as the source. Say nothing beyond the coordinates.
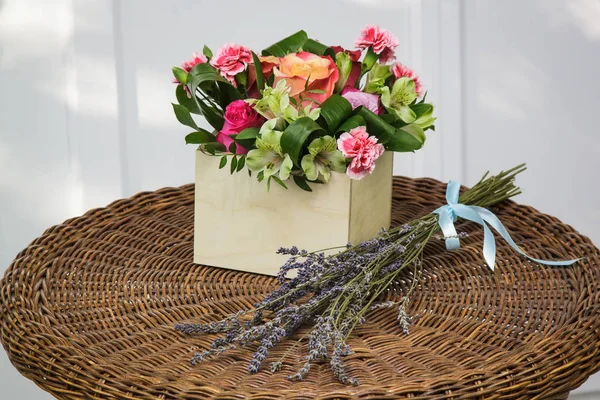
(88, 311)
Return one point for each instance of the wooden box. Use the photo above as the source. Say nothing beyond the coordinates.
(239, 225)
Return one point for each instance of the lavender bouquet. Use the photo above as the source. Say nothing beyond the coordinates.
(335, 293)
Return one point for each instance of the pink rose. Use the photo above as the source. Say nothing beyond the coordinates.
(230, 60)
(382, 42)
(354, 57)
(306, 70)
(400, 71)
(359, 98)
(239, 115)
(362, 149)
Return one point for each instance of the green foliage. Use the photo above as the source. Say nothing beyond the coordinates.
(180, 74)
(279, 181)
(212, 148)
(288, 45)
(296, 136)
(351, 123)
(424, 115)
(201, 136)
(260, 78)
(408, 138)
(312, 46)
(233, 165)
(223, 162)
(334, 111)
(301, 183)
(241, 162)
(405, 139)
(183, 116)
(376, 125)
(185, 101)
(207, 52)
(246, 138)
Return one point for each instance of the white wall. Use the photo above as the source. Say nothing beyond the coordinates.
(85, 89)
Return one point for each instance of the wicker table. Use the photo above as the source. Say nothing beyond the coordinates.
(88, 311)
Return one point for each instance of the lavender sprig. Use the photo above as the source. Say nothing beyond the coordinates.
(335, 293)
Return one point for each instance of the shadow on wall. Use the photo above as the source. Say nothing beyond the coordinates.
(84, 112)
(40, 134)
(532, 92)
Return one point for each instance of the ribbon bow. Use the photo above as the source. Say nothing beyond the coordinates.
(449, 213)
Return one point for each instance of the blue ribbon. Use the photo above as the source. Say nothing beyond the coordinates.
(449, 213)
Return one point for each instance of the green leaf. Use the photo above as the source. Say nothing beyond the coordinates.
(213, 147)
(240, 163)
(260, 78)
(424, 113)
(233, 164)
(260, 176)
(201, 73)
(204, 76)
(334, 111)
(276, 179)
(200, 137)
(187, 102)
(207, 52)
(227, 94)
(376, 125)
(180, 75)
(290, 44)
(223, 162)
(232, 147)
(369, 61)
(296, 136)
(406, 114)
(421, 109)
(301, 183)
(213, 116)
(270, 80)
(183, 116)
(312, 46)
(408, 138)
(247, 137)
(351, 123)
(248, 133)
(269, 183)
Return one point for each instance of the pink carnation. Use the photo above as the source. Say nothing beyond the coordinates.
(400, 71)
(362, 149)
(187, 67)
(382, 41)
(195, 60)
(230, 60)
(191, 63)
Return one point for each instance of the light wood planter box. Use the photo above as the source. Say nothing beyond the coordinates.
(239, 225)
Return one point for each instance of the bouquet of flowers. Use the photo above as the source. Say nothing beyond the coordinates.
(302, 109)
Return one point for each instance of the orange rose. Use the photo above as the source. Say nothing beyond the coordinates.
(307, 71)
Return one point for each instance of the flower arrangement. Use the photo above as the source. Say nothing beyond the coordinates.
(301, 109)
